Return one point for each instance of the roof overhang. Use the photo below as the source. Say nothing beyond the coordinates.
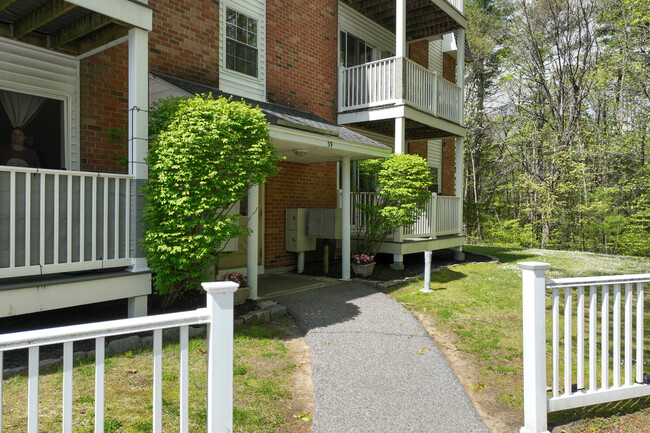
(74, 26)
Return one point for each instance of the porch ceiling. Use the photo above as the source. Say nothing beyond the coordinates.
(414, 130)
(424, 18)
(72, 27)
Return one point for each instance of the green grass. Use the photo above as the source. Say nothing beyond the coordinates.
(262, 389)
(478, 306)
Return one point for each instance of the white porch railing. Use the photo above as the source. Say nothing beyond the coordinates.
(59, 221)
(458, 4)
(397, 80)
(442, 214)
(584, 374)
(218, 316)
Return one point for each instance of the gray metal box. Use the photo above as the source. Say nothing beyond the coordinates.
(324, 222)
(296, 239)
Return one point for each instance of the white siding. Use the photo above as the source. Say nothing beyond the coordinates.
(435, 56)
(235, 82)
(160, 89)
(36, 71)
(434, 158)
(353, 22)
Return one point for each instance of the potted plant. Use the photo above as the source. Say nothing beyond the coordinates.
(363, 264)
(242, 292)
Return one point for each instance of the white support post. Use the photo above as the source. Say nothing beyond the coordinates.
(460, 71)
(427, 272)
(220, 304)
(138, 136)
(253, 239)
(346, 216)
(300, 267)
(400, 135)
(400, 28)
(460, 142)
(534, 333)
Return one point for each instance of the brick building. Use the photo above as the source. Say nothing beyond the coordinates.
(339, 81)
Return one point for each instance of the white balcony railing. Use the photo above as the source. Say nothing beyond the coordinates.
(218, 315)
(397, 80)
(458, 4)
(442, 213)
(60, 221)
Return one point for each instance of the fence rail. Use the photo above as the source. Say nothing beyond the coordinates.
(218, 315)
(59, 221)
(600, 321)
(442, 213)
(398, 80)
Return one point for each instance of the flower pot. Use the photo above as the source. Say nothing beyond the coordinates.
(363, 270)
(241, 294)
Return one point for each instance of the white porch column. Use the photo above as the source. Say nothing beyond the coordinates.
(400, 28)
(346, 216)
(138, 137)
(460, 143)
(400, 135)
(460, 71)
(253, 239)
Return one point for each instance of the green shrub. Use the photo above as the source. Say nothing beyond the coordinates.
(203, 157)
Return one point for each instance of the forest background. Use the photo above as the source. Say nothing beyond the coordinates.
(558, 115)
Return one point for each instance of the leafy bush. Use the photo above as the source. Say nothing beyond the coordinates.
(204, 155)
(403, 183)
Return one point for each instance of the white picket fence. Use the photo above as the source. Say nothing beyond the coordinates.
(55, 221)
(218, 315)
(585, 312)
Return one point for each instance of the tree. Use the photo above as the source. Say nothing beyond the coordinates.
(204, 155)
(403, 183)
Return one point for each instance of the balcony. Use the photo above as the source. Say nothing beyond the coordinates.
(398, 81)
(54, 221)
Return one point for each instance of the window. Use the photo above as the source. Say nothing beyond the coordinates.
(435, 179)
(241, 43)
(354, 51)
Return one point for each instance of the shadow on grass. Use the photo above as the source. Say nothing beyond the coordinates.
(504, 254)
(443, 276)
(607, 410)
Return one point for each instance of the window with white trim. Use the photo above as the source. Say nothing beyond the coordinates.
(241, 43)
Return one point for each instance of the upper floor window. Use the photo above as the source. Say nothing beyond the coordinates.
(354, 51)
(241, 43)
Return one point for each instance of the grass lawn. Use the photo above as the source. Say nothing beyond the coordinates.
(263, 369)
(474, 314)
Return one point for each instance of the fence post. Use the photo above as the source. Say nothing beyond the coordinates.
(220, 304)
(534, 333)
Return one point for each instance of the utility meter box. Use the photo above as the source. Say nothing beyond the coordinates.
(324, 222)
(296, 239)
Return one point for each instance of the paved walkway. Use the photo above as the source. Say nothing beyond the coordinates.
(374, 367)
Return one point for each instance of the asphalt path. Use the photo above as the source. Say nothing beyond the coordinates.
(374, 366)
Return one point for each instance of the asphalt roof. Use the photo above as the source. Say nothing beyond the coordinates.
(275, 112)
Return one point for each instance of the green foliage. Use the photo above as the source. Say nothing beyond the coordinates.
(403, 183)
(204, 156)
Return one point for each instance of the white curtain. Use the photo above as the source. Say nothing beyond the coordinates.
(20, 107)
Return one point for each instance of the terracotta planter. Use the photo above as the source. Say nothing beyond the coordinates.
(363, 270)
(241, 295)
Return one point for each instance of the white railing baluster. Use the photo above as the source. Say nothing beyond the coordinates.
(184, 379)
(556, 343)
(127, 216)
(67, 386)
(580, 342)
(68, 217)
(157, 381)
(93, 241)
(28, 220)
(593, 320)
(105, 214)
(116, 213)
(99, 384)
(568, 301)
(55, 245)
(32, 390)
(616, 371)
(82, 218)
(12, 219)
(41, 234)
(604, 339)
(628, 334)
(639, 332)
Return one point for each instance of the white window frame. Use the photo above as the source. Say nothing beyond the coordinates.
(237, 41)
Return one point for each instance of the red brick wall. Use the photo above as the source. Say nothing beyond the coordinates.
(301, 56)
(419, 53)
(448, 166)
(448, 68)
(184, 43)
(104, 105)
(418, 148)
(296, 185)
